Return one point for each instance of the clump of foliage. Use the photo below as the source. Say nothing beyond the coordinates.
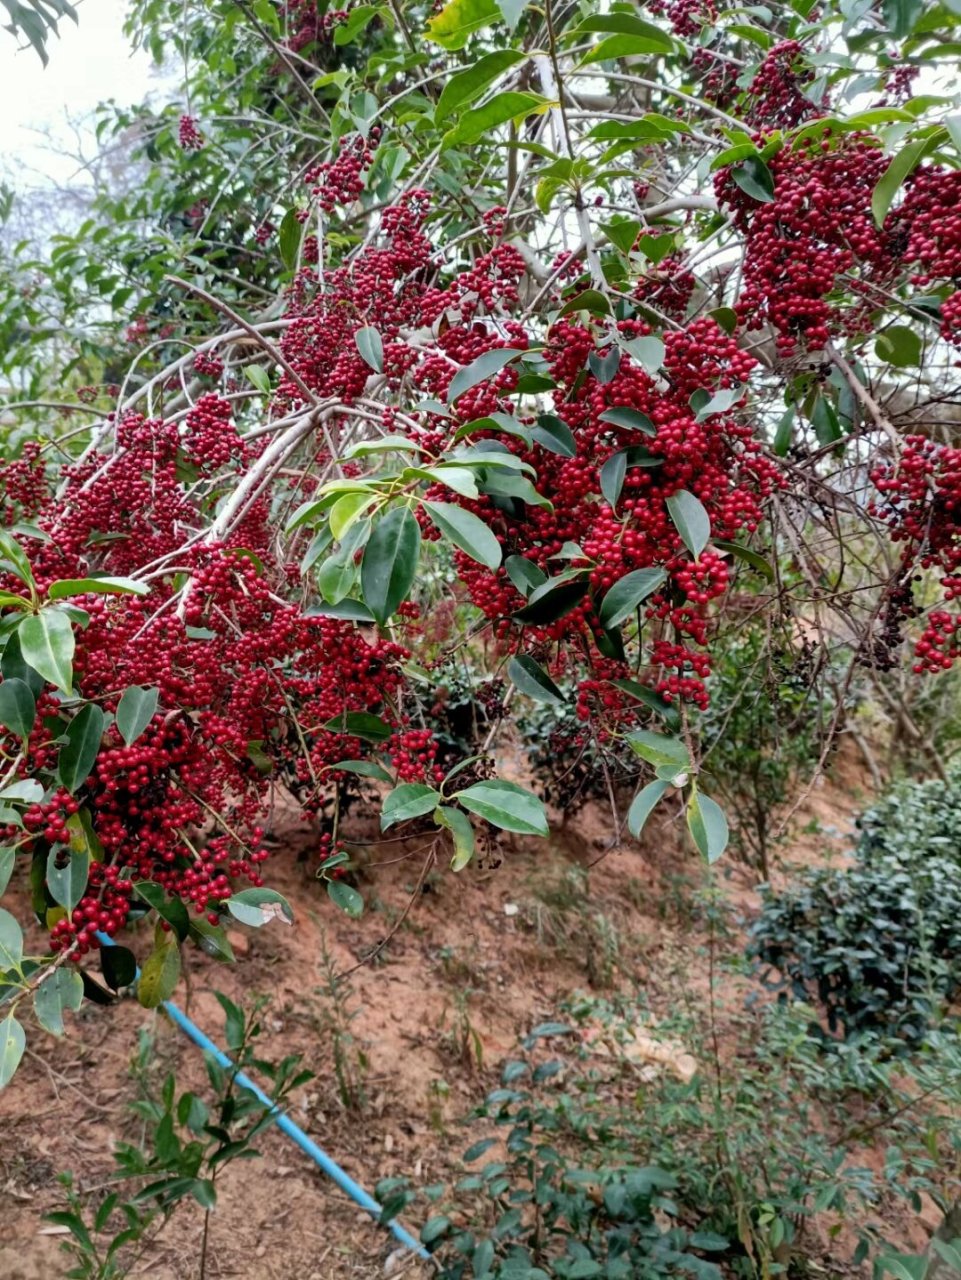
(187, 1141)
(595, 1163)
(763, 731)
(877, 944)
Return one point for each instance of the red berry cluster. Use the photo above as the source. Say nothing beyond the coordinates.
(340, 181)
(189, 135)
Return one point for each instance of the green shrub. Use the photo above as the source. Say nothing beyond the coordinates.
(878, 945)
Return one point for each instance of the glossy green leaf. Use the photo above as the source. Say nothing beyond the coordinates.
(658, 749)
(290, 235)
(11, 941)
(613, 473)
(67, 587)
(389, 566)
(749, 557)
(630, 419)
(47, 645)
(465, 86)
(554, 435)
(627, 593)
(900, 346)
(477, 122)
(78, 754)
(67, 883)
(552, 600)
(12, 1044)
(118, 966)
(707, 824)
(507, 806)
(136, 708)
(629, 46)
(531, 678)
(690, 520)
(755, 179)
(360, 724)
(466, 531)
(901, 167)
(479, 370)
(462, 834)
(18, 707)
(409, 800)
(14, 559)
(524, 574)
(371, 348)
(644, 804)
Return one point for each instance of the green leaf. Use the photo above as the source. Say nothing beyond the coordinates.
(533, 680)
(345, 897)
(68, 883)
(643, 805)
(630, 419)
(901, 167)
(902, 1266)
(627, 593)
(290, 235)
(462, 88)
(511, 11)
(900, 346)
(604, 365)
(258, 377)
(61, 991)
(371, 348)
(348, 610)
(67, 587)
(660, 750)
(552, 600)
(14, 558)
(462, 833)
(8, 859)
(359, 724)
(629, 46)
(136, 708)
(170, 909)
(458, 20)
(613, 473)
(47, 645)
(363, 768)
(211, 939)
(755, 179)
(18, 707)
(623, 23)
(553, 434)
(466, 531)
(590, 300)
(507, 806)
(161, 971)
(11, 941)
(524, 574)
(347, 510)
(477, 122)
(118, 966)
(649, 352)
(748, 556)
(256, 907)
(707, 825)
(622, 233)
(79, 753)
(690, 519)
(12, 1044)
(390, 563)
(409, 800)
(479, 370)
(652, 699)
(357, 22)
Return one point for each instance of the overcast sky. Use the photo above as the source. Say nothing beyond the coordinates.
(88, 63)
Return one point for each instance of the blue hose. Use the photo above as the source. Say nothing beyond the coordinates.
(284, 1122)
